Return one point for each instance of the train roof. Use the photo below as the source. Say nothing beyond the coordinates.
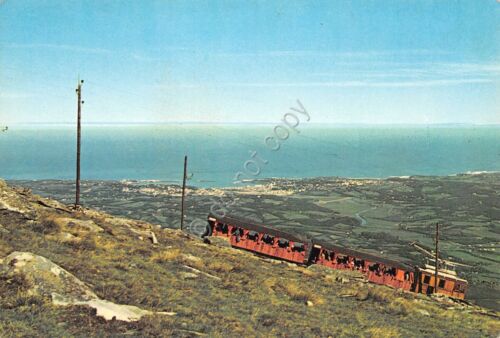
(363, 255)
(248, 224)
(431, 270)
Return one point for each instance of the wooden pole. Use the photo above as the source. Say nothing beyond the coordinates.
(437, 259)
(183, 192)
(78, 142)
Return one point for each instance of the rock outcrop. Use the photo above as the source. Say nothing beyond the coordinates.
(14, 202)
(50, 280)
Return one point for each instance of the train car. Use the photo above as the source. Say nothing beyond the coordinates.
(448, 282)
(376, 269)
(261, 239)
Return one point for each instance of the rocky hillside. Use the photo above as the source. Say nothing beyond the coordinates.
(85, 273)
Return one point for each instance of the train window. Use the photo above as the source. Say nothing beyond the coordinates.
(359, 263)
(298, 247)
(391, 272)
(268, 239)
(237, 231)
(283, 243)
(253, 235)
(427, 279)
(342, 260)
(442, 283)
(459, 287)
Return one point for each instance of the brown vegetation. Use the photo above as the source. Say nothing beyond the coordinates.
(230, 293)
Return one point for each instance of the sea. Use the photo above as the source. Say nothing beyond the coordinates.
(219, 155)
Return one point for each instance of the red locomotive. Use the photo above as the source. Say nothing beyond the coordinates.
(302, 250)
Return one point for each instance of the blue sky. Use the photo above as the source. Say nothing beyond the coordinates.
(248, 61)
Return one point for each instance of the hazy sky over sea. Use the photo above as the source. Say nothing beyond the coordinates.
(248, 61)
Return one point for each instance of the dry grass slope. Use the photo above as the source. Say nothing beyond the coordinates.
(215, 291)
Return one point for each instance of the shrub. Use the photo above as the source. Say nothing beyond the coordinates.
(398, 307)
(86, 243)
(220, 266)
(13, 284)
(295, 292)
(14, 292)
(384, 332)
(165, 255)
(380, 294)
(300, 293)
(47, 225)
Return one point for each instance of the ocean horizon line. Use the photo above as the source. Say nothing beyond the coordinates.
(260, 123)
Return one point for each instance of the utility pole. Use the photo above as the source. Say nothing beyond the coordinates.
(78, 141)
(437, 259)
(183, 192)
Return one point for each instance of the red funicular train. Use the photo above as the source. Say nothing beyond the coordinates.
(302, 250)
